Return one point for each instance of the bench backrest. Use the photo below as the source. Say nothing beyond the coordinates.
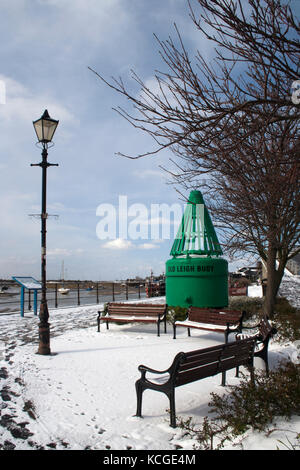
(266, 330)
(218, 317)
(114, 308)
(201, 363)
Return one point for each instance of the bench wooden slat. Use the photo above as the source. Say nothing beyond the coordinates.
(134, 312)
(131, 320)
(140, 309)
(141, 306)
(214, 317)
(197, 374)
(200, 363)
(202, 326)
(123, 309)
(113, 309)
(190, 362)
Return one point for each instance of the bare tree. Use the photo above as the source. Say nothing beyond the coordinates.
(257, 61)
(255, 198)
(233, 122)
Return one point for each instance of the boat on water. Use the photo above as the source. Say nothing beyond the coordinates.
(63, 290)
(155, 287)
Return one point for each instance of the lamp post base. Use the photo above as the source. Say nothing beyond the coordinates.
(44, 331)
(44, 337)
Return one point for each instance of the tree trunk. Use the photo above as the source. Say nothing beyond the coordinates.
(274, 277)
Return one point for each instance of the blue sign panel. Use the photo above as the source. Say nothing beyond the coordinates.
(29, 283)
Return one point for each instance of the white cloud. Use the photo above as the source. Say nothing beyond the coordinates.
(148, 246)
(121, 244)
(88, 20)
(112, 36)
(118, 244)
(21, 103)
(58, 252)
(160, 90)
(149, 173)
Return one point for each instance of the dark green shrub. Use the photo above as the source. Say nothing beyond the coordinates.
(105, 308)
(205, 434)
(283, 306)
(253, 306)
(248, 407)
(176, 314)
(287, 319)
(288, 326)
(256, 407)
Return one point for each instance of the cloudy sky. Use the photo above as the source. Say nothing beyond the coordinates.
(47, 47)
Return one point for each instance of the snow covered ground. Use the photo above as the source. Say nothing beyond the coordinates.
(254, 291)
(83, 395)
(290, 288)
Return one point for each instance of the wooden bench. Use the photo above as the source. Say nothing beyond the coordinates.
(238, 291)
(265, 332)
(220, 321)
(195, 365)
(127, 312)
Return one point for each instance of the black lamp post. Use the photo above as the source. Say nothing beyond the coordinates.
(45, 128)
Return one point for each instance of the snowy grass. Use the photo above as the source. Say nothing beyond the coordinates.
(83, 395)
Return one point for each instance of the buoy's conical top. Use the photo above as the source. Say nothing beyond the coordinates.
(196, 234)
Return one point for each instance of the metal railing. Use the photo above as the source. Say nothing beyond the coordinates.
(78, 295)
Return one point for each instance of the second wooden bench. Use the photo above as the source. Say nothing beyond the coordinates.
(220, 321)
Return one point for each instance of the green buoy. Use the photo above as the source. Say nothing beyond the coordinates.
(196, 275)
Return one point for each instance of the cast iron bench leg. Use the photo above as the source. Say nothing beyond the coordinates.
(226, 334)
(139, 395)
(223, 383)
(171, 396)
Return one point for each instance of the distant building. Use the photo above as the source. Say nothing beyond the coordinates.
(250, 273)
(293, 265)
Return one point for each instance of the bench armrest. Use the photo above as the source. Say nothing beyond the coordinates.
(256, 336)
(99, 314)
(143, 369)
